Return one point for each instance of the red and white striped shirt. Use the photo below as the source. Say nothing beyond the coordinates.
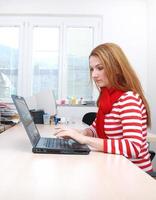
(126, 130)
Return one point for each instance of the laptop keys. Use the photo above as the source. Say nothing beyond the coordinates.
(56, 143)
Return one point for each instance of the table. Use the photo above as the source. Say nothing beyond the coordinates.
(28, 176)
(4, 127)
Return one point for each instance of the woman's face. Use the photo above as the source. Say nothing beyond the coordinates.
(98, 72)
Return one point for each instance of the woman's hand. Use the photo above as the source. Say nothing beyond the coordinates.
(81, 137)
(70, 133)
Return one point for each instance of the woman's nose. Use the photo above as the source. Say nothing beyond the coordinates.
(94, 74)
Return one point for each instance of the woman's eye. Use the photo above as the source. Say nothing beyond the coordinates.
(100, 68)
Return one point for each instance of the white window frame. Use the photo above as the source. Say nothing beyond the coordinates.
(8, 21)
(26, 24)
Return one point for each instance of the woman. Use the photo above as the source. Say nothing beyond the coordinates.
(123, 112)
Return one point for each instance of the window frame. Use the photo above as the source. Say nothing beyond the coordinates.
(63, 22)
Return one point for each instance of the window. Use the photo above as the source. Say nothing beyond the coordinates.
(47, 52)
(78, 79)
(9, 55)
(45, 58)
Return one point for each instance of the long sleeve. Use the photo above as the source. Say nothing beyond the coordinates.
(133, 126)
(126, 130)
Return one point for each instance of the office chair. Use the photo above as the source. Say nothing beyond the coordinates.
(152, 174)
(152, 155)
(88, 118)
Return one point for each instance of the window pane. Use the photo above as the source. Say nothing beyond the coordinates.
(9, 56)
(79, 45)
(45, 58)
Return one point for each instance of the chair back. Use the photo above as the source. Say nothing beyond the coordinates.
(89, 117)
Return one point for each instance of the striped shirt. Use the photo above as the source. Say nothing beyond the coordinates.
(126, 130)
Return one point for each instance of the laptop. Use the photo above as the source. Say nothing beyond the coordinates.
(42, 144)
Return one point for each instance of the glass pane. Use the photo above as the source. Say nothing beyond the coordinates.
(45, 58)
(9, 56)
(79, 45)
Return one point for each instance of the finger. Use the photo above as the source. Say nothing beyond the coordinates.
(57, 128)
(63, 137)
(60, 128)
(57, 132)
(63, 134)
(60, 131)
(59, 136)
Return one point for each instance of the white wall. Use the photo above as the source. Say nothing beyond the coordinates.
(152, 60)
(152, 65)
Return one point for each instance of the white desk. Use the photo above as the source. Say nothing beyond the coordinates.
(28, 176)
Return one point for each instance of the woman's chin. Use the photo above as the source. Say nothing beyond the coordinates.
(100, 85)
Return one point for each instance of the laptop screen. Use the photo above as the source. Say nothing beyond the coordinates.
(26, 119)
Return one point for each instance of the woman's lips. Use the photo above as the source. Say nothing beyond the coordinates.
(98, 81)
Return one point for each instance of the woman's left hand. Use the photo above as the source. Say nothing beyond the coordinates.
(70, 133)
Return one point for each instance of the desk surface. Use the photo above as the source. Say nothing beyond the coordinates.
(100, 176)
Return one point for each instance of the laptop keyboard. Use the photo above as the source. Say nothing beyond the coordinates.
(57, 143)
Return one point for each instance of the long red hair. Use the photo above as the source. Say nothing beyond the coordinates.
(119, 71)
